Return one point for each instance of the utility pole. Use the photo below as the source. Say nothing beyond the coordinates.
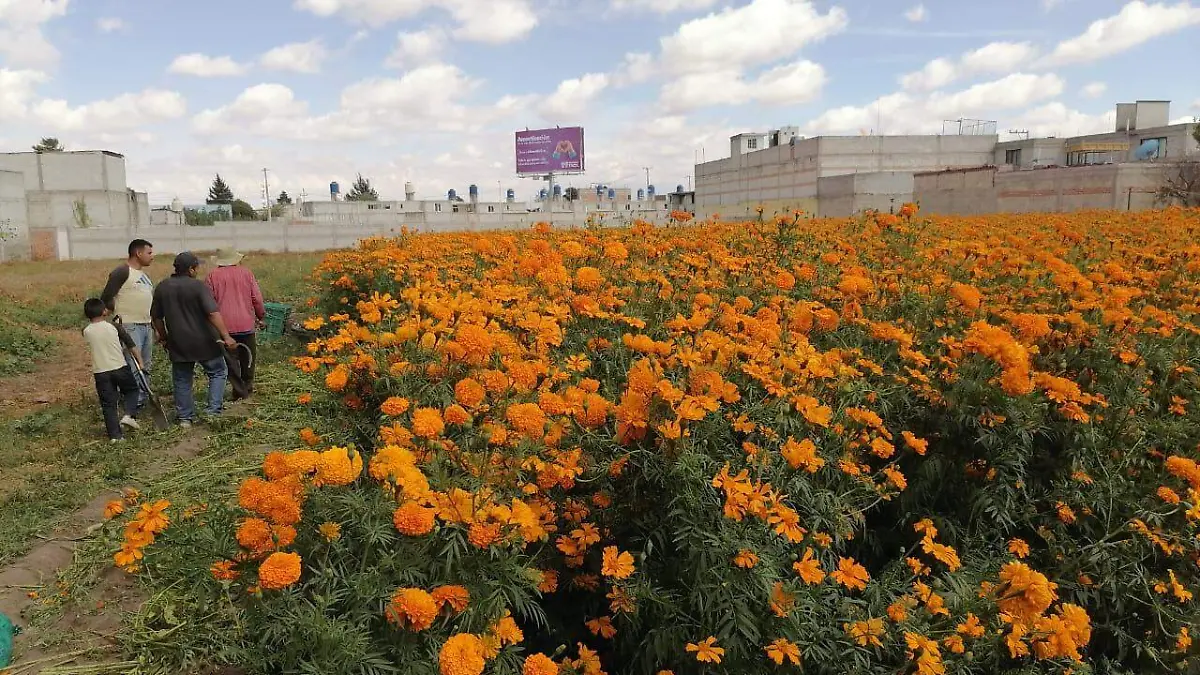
(267, 193)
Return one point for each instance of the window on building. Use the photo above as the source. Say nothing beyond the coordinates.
(455, 207)
(752, 144)
(437, 207)
(491, 209)
(1152, 148)
(1013, 157)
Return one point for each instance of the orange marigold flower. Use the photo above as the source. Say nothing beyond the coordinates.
(809, 568)
(850, 574)
(331, 531)
(782, 650)
(455, 597)
(395, 405)
(469, 393)
(412, 609)
(223, 570)
(616, 564)
(427, 422)
(745, 559)
(279, 570)
(706, 650)
(539, 664)
(456, 414)
(1018, 547)
(114, 508)
(526, 418)
(462, 654)
(414, 520)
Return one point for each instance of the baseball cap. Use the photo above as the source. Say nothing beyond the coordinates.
(186, 261)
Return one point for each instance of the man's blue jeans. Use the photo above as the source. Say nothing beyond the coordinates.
(183, 376)
(143, 340)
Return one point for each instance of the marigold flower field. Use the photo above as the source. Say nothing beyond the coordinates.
(880, 445)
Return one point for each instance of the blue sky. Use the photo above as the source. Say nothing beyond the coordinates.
(431, 90)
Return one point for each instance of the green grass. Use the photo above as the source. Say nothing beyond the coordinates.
(21, 349)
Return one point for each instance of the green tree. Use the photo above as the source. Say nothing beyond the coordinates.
(362, 191)
(219, 193)
(244, 211)
(284, 198)
(49, 144)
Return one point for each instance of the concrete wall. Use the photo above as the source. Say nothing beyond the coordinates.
(1035, 152)
(784, 177)
(14, 221)
(69, 171)
(856, 154)
(306, 235)
(963, 191)
(1055, 190)
(846, 195)
(87, 209)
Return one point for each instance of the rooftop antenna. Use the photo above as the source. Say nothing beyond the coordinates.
(1023, 133)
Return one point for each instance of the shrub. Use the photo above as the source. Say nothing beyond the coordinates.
(882, 445)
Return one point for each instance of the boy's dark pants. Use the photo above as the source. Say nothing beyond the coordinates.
(113, 388)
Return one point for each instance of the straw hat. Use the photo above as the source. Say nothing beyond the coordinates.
(227, 257)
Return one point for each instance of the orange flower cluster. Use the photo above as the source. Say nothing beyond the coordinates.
(151, 520)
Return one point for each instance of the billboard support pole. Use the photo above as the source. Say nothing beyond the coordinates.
(550, 196)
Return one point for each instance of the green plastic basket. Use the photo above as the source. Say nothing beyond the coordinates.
(277, 316)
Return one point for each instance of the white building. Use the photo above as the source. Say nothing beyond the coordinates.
(61, 190)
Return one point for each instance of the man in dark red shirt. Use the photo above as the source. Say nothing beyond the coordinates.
(240, 300)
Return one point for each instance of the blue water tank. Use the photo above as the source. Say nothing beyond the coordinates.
(612, 194)
(1149, 149)
(641, 194)
(599, 191)
(334, 188)
(473, 191)
(452, 194)
(511, 195)
(557, 191)
(650, 192)
(542, 194)
(679, 189)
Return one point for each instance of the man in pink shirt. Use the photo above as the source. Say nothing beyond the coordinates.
(241, 303)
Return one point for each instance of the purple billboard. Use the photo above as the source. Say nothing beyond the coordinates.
(550, 150)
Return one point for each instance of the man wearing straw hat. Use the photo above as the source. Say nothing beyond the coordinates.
(240, 299)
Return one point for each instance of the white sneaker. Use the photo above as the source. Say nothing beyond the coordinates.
(185, 424)
(128, 421)
(116, 440)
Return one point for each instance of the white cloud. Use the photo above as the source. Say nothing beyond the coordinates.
(916, 14)
(21, 40)
(758, 33)
(494, 21)
(995, 57)
(427, 99)
(662, 6)
(297, 57)
(110, 24)
(417, 48)
(202, 65)
(1136, 23)
(574, 97)
(1094, 89)
(902, 112)
(790, 84)
(127, 112)
(17, 89)
(1196, 104)
(635, 68)
(1056, 119)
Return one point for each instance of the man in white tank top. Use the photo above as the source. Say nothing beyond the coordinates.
(128, 295)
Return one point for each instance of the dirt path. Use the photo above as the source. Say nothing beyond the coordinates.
(93, 619)
(63, 377)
